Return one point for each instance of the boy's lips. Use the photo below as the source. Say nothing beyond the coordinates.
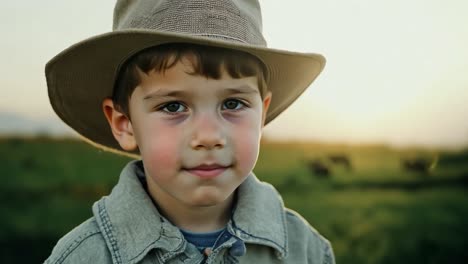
(206, 171)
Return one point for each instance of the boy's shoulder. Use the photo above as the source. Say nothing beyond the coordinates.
(301, 235)
(262, 215)
(84, 244)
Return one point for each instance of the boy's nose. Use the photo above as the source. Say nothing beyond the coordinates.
(207, 134)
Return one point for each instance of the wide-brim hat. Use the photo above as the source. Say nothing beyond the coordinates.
(83, 75)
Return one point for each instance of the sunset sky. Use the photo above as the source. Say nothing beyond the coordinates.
(397, 71)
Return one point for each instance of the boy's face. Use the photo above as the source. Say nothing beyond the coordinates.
(198, 137)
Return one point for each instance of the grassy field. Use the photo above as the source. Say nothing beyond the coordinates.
(372, 208)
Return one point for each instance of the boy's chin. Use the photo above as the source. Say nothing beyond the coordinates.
(213, 198)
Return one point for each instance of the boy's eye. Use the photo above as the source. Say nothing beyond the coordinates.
(232, 104)
(174, 107)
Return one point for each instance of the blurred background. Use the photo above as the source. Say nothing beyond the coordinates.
(376, 150)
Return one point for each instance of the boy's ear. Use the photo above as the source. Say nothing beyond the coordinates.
(266, 105)
(120, 125)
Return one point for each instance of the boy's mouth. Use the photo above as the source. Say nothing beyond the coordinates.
(206, 171)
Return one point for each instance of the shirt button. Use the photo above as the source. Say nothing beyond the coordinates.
(238, 248)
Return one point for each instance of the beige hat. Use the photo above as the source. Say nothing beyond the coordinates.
(80, 77)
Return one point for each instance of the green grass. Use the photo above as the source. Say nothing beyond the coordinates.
(389, 226)
(376, 212)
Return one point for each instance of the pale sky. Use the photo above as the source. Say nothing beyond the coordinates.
(397, 71)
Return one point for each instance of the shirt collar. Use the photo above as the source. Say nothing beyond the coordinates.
(259, 217)
(132, 225)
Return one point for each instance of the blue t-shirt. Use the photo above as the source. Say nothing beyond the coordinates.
(206, 240)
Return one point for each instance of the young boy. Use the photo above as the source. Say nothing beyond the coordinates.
(185, 86)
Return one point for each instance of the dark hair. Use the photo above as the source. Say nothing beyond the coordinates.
(207, 61)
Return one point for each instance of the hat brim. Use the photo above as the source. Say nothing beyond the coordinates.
(83, 75)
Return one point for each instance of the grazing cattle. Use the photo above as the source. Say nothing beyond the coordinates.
(318, 168)
(340, 159)
(420, 165)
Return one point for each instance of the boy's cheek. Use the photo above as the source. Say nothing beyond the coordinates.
(247, 148)
(247, 157)
(161, 151)
(162, 156)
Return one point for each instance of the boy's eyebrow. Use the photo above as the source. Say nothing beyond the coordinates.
(244, 89)
(160, 93)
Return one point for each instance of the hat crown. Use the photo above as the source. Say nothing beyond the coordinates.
(233, 21)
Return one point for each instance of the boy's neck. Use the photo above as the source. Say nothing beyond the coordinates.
(195, 219)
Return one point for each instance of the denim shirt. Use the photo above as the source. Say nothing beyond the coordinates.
(127, 228)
